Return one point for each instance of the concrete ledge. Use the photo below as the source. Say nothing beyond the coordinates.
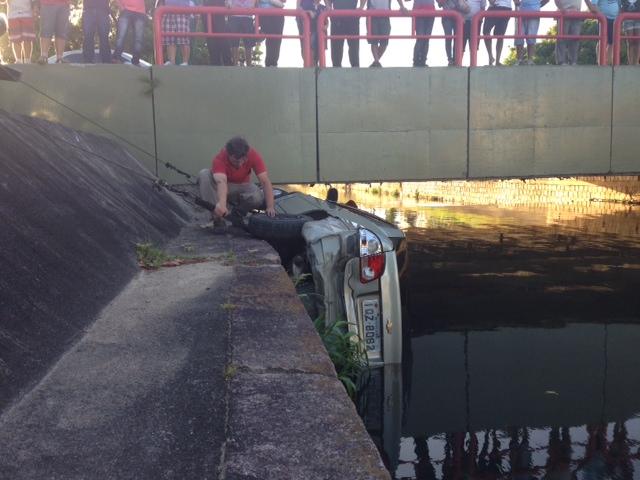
(296, 427)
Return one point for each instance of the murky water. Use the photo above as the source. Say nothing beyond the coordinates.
(522, 350)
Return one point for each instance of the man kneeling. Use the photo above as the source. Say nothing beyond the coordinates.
(228, 182)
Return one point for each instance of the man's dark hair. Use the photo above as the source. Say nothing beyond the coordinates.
(237, 147)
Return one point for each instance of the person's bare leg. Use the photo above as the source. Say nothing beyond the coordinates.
(487, 44)
(16, 48)
(27, 51)
(499, 44)
(171, 53)
(381, 50)
(531, 52)
(60, 43)
(374, 52)
(45, 45)
(186, 53)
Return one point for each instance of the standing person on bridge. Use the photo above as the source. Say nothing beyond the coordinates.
(529, 27)
(54, 22)
(424, 26)
(345, 26)
(132, 16)
(567, 50)
(380, 26)
(499, 27)
(229, 181)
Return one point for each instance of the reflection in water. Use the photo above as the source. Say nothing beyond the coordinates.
(522, 361)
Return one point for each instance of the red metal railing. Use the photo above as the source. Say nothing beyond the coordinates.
(475, 36)
(456, 37)
(618, 36)
(209, 12)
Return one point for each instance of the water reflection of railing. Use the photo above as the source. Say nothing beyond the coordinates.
(512, 454)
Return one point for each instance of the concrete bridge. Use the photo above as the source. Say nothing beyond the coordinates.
(346, 125)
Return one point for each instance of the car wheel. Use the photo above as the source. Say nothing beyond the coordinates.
(280, 227)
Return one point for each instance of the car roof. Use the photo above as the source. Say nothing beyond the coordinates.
(75, 56)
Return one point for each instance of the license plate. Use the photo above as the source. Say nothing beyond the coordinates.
(371, 322)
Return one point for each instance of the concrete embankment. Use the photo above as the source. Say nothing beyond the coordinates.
(203, 370)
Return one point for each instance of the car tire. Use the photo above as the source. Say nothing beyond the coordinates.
(280, 227)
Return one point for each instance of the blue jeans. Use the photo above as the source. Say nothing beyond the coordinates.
(126, 19)
(424, 26)
(96, 19)
(449, 28)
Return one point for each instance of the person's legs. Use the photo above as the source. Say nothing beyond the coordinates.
(561, 45)
(207, 186)
(574, 27)
(62, 25)
(489, 24)
(245, 196)
(123, 25)
(272, 25)
(47, 29)
(419, 57)
(353, 28)
(138, 35)
(171, 53)
(448, 26)
(500, 29)
(337, 45)
(104, 26)
(89, 28)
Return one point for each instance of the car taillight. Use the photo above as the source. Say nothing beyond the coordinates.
(371, 256)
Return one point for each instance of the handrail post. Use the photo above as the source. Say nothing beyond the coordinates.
(157, 37)
(458, 39)
(602, 21)
(307, 54)
(322, 39)
(473, 39)
(616, 38)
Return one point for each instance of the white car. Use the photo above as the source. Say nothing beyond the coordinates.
(75, 56)
(356, 260)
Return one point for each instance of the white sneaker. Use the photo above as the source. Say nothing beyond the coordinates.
(184, 64)
(168, 62)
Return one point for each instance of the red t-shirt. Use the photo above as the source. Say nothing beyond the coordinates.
(254, 162)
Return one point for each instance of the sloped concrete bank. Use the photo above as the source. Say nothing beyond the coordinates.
(204, 370)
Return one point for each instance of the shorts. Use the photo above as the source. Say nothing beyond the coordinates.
(631, 27)
(380, 26)
(498, 25)
(237, 24)
(54, 21)
(21, 29)
(529, 27)
(176, 23)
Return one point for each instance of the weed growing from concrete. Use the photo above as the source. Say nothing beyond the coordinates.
(345, 351)
(228, 307)
(150, 256)
(230, 371)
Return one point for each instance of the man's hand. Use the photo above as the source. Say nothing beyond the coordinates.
(220, 210)
(271, 211)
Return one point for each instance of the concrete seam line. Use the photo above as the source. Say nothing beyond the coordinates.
(222, 468)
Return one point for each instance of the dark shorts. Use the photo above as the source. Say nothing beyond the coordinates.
(498, 25)
(54, 21)
(241, 25)
(380, 26)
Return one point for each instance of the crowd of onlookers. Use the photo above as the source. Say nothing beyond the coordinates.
(53, 17)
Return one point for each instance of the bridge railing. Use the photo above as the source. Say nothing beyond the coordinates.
(209, 32)
(475, 36)
(369, 14)
(618, 35)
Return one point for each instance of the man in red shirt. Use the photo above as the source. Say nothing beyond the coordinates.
(229, 180)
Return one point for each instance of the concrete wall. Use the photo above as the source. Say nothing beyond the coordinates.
(346, 125)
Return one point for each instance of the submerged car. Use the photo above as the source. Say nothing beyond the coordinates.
(356, 260)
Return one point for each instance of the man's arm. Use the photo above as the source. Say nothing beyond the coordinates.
(221, 189)
(592, 8)
(268, 193)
